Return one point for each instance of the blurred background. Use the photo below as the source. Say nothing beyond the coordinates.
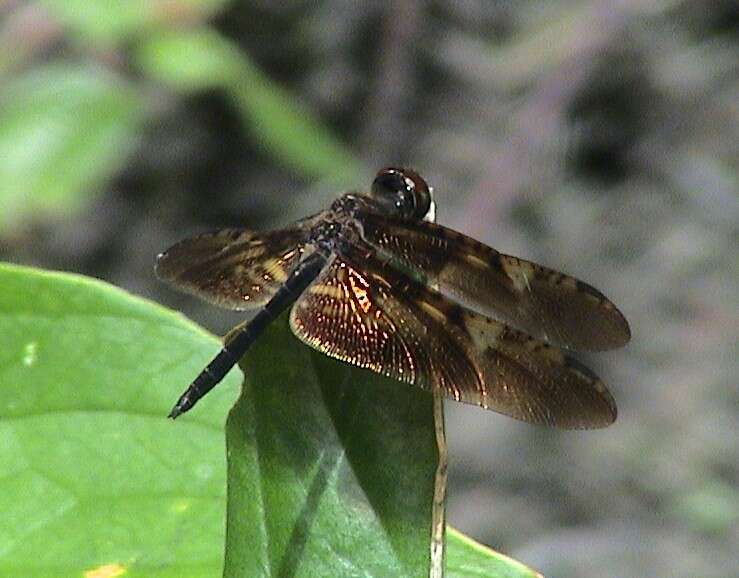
(598, 137)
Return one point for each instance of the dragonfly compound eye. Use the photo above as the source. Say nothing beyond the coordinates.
(410, 193)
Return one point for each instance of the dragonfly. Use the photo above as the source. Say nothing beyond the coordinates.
(372, 281)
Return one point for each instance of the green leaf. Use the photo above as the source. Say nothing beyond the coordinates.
(93, 474)
(199, 59)
(289, 131)
(63, 130)
(189, 60)
(328, 468)
(469, 559)
(108, 21)
(331, 468)
(112, 21)
(331, 472)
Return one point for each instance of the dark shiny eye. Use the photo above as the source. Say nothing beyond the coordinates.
(389, 182)
(411, 197)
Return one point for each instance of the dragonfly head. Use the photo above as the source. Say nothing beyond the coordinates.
(403, 193)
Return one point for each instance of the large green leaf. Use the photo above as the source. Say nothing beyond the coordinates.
(329, 467)
(63, 131)
(331, 473)
(92, 473)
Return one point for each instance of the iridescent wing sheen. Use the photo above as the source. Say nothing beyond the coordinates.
(542, 302)
(364, 312)
(233, 268)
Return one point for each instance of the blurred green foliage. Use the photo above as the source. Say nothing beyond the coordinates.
(63, 131)
(113, 22)
(196, 60)
(66, 127)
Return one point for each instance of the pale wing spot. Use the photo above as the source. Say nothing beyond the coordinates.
(106, 571)
(274, 268)
(432, 311)
(332, 291)
(526, 280)
(475, 261)
(518, 272)
(571, 282)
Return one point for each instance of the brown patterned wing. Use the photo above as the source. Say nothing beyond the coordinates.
(232, 268)
(542, 302)
(376, 318)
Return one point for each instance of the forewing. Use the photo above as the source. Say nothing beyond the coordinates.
(374, 317)
(232, 268)
(540, 301)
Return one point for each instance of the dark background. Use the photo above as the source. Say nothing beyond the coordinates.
(599, 138)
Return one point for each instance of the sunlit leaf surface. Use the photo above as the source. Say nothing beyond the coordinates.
(93, 474)
(330, 468)
(469, 559)
(331, 473)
